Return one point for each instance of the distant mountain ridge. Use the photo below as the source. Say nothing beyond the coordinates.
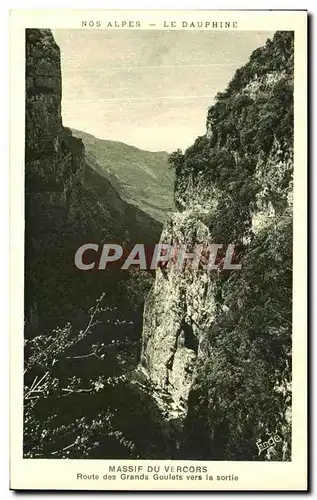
(142, 178)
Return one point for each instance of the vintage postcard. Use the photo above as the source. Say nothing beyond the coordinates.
(158, 243)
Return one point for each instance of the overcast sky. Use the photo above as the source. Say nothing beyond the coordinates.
(150, 89)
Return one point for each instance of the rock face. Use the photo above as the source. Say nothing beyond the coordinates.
(51, 162)
(234, 185)
(67, 203)
(178, 311)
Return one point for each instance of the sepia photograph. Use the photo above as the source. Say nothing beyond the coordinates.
(177, 138)
(159, 326)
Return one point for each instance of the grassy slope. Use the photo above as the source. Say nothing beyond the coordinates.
(142, 178)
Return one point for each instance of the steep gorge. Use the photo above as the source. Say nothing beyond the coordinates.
(142, 178)
(82, 329)
(217, 344)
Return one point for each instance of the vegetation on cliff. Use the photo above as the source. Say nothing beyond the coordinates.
(242, 392)
(82, 397)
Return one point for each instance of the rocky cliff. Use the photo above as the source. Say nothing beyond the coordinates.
(142, 178)
(67, 203)
(218, 345)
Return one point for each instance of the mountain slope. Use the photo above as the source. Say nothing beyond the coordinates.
(142, 178)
